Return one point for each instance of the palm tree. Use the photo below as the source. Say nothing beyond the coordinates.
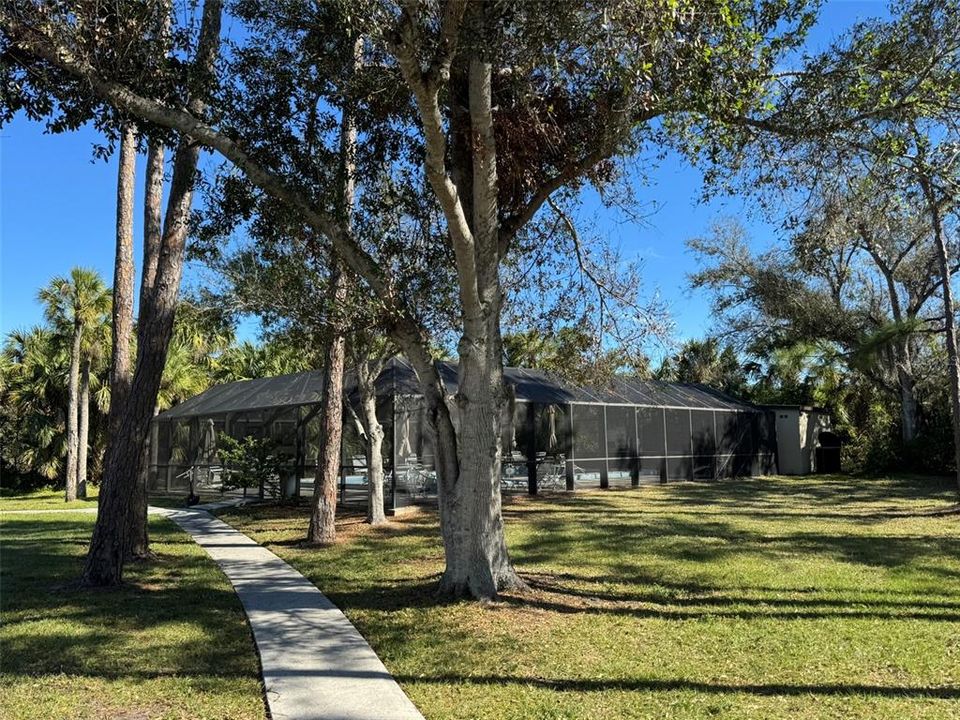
(246, 361)
(708, 363)
(32, 398)
(72, 305)
(530, 349)
(183, 375)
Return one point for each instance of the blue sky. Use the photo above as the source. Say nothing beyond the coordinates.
(57, 210)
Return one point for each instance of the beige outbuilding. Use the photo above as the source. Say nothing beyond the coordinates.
(799, 431)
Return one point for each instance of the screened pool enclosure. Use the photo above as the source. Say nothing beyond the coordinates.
(557, 438)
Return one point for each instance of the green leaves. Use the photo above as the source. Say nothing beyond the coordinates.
(251, 462)
(81, 299)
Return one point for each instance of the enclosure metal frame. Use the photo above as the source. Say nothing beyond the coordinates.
(722, 459)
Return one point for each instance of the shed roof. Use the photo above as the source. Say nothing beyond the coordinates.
(306, 388)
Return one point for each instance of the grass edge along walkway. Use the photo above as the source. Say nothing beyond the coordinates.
(171, 643)
(315, 663)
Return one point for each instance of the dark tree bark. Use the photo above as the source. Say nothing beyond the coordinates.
(83, 432)
(152, 217)
(322, 528)
(125, 451)
(137, 534)
(73, 408)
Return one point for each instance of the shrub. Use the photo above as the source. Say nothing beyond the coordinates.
(874, 445)
(253, 463)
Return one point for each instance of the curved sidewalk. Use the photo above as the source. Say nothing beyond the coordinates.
(316, 666)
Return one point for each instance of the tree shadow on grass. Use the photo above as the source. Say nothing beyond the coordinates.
(355, 531)
(598, 531)
(176, 617)
(669, 685)
(560, 538)
(566, 598)
(638, 577)
(730, 606)
(706, 596)
(816, 497)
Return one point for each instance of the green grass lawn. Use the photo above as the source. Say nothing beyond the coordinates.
(823, 597)
(45, 499)
(50, 499)
(172, 643)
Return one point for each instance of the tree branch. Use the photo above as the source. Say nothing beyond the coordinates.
(426, 95)
(513, 224)
(40, 45)
(484, 147)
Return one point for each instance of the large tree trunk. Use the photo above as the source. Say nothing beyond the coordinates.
(322, 528)
(137, 533)
(468, 451)
(73, 420)
(468, 458)
(366, 380)
(908, 405)
(950, 318)
(110, 542)
(473, 533)
(83, 432)
(108, 547)
(476, 551)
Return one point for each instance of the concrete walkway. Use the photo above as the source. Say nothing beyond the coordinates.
(316, 666)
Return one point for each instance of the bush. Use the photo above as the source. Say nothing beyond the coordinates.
(253, 463)
(15, 481)
(932, 450)
(874, 445)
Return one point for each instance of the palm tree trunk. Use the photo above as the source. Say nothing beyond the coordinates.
(73, 406)
(84, 430)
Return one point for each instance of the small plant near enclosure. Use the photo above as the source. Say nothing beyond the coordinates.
(253, 463)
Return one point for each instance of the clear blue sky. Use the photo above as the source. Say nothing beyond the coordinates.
(57, 210)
